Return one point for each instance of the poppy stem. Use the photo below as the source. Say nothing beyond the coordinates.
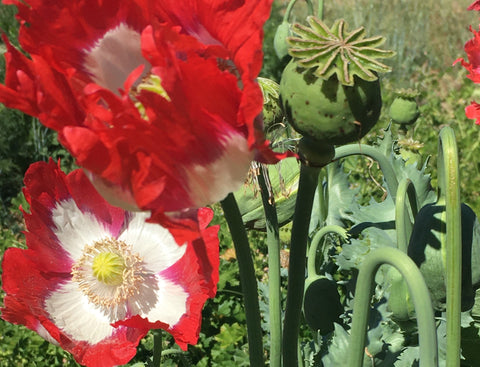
(421, 301)
(449, 188)
(297, 263)
(157, 347)
(403, 219)
(372, 152)
(247, 279)
(321, 7)
(274, 286)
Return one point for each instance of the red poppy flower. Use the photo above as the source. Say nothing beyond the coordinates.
(96, 278)
(473, 112)
(156, 100)
(475, 5)
(472, 48)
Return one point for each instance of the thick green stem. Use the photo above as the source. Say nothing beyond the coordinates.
(247, 279)
(274, 287)
(421, 300)
(157, 347)
(385, 166)
(322, 200)
(320, 9)
(449, 185)
(296, 268)
(403, 220)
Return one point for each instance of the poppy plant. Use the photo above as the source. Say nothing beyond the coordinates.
(95, 278)
(157, 100)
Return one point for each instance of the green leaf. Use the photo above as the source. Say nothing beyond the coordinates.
(408, 358)
(230, 335)
(283, 178)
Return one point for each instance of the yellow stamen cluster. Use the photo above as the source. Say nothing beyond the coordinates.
(108, 273)
(153, 83)
(108, 268)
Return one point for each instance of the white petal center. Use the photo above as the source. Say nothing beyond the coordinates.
(213, 182)
(72, 313)
(152, 242)
(75, 229)
(114, 57)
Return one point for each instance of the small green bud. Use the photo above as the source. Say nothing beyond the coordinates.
(272, 112)
(280, 40)
(404, 109)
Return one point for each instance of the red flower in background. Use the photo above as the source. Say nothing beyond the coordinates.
(95, 278)
(156, 100)
(472, 49)
(473, 112)
(475, 5)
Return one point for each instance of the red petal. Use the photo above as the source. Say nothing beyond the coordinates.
(472, 48)
(208, 54)
(475, 5)
(473, 112)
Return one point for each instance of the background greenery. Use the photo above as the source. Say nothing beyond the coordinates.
(427, 36)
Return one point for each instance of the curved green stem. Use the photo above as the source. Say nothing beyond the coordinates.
(385, 166)
(403, 221)
(247, 279)
(296, 268)
(157, 347)
(310, 7)
(274, 286)
(449, 187)
(421, 300)
(288, 11)
(317, 239)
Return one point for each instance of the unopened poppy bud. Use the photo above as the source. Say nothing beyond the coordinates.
(404, 109)
(272, 112)
(280, 40)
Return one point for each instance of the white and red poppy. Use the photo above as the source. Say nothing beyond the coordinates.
(95, 278)
(156, 100)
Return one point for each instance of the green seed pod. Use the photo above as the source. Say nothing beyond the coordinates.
(326, 110)
(427, 248)
(404, 109)
(330, 90)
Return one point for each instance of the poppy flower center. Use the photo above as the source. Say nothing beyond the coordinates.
(151, 83)
(108, 268)
(109, 273)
